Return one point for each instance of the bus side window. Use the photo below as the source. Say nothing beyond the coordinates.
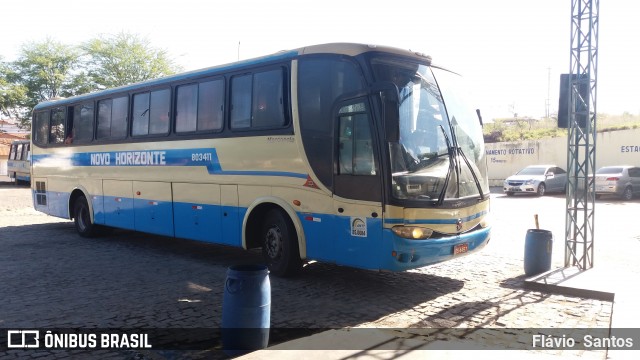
(12, 152)
(257, 100)
(18, 154)
(151, 112)
(83, 122)
(69, 127)
(104, 119)
(119, 116)
(140, 124)
(200, 106)
(186, 108)
(57, 130)
(268, 110)
(41, 129)
(241, 101)
(211, 105)
(112, 118)
(159, 112)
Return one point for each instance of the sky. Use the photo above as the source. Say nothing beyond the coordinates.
(511, 52)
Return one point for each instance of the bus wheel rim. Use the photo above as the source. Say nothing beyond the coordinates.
(273, 242)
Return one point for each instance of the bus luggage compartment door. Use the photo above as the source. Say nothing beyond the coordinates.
(118, 204)
(153, 207)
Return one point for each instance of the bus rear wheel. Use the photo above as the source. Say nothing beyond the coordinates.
(82, 218)
(280, 244)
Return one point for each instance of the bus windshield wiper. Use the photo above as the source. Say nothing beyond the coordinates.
(452, 165)
(459, 151)
(473, 173)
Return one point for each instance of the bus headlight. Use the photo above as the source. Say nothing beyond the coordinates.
(412, 232)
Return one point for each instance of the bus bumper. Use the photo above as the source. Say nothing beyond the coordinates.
(404, 254)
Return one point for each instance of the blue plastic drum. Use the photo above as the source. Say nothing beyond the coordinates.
(246, 309)
(538, 247)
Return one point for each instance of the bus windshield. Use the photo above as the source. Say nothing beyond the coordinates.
(440, 154)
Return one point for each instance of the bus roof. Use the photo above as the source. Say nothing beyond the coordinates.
(350, 49)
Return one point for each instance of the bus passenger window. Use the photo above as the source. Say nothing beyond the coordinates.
(140, 114)
(159, 112)
(42, 127)
(68, 138)
(112, 118)
(57, 130)
(18, 152)
(119, 116)
(199, 107)
(83, 122)
(258, 100)
(104, 118)
(186, 108)
(241, 101)
(12, 152)
(267, 99)
(211, 105)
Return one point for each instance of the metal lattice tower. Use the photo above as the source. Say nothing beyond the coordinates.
(581, 151)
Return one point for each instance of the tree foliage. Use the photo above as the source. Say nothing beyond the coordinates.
(11, 94)
(46, 69)
(50, 69)
(42, 71)
(125, 59)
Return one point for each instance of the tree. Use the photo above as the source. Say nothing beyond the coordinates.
(11, 95)
(50, 69)
(43, 71)
(124, 59)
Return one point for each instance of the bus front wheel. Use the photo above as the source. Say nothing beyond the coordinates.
(280, 244)
(82, 218)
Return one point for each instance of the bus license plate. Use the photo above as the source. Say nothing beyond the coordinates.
(460, 249)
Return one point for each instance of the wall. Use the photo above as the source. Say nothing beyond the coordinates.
(612, 148)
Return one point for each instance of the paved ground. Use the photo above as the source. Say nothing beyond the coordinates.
(52, 278)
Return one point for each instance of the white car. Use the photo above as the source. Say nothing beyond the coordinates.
(622, 181)
(536, 179)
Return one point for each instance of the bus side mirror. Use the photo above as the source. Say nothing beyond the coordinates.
(479, 117)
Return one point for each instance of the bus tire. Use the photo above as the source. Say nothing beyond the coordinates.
(82, 218)
(280, 244)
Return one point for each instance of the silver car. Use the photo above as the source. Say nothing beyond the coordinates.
(536, 179)
(623, 181)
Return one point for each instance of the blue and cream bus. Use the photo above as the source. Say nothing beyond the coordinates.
(359, 155)
(19, 161)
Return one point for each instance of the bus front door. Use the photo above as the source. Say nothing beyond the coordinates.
(357, 187)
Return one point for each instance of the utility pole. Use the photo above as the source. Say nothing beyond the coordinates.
(546, 113)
